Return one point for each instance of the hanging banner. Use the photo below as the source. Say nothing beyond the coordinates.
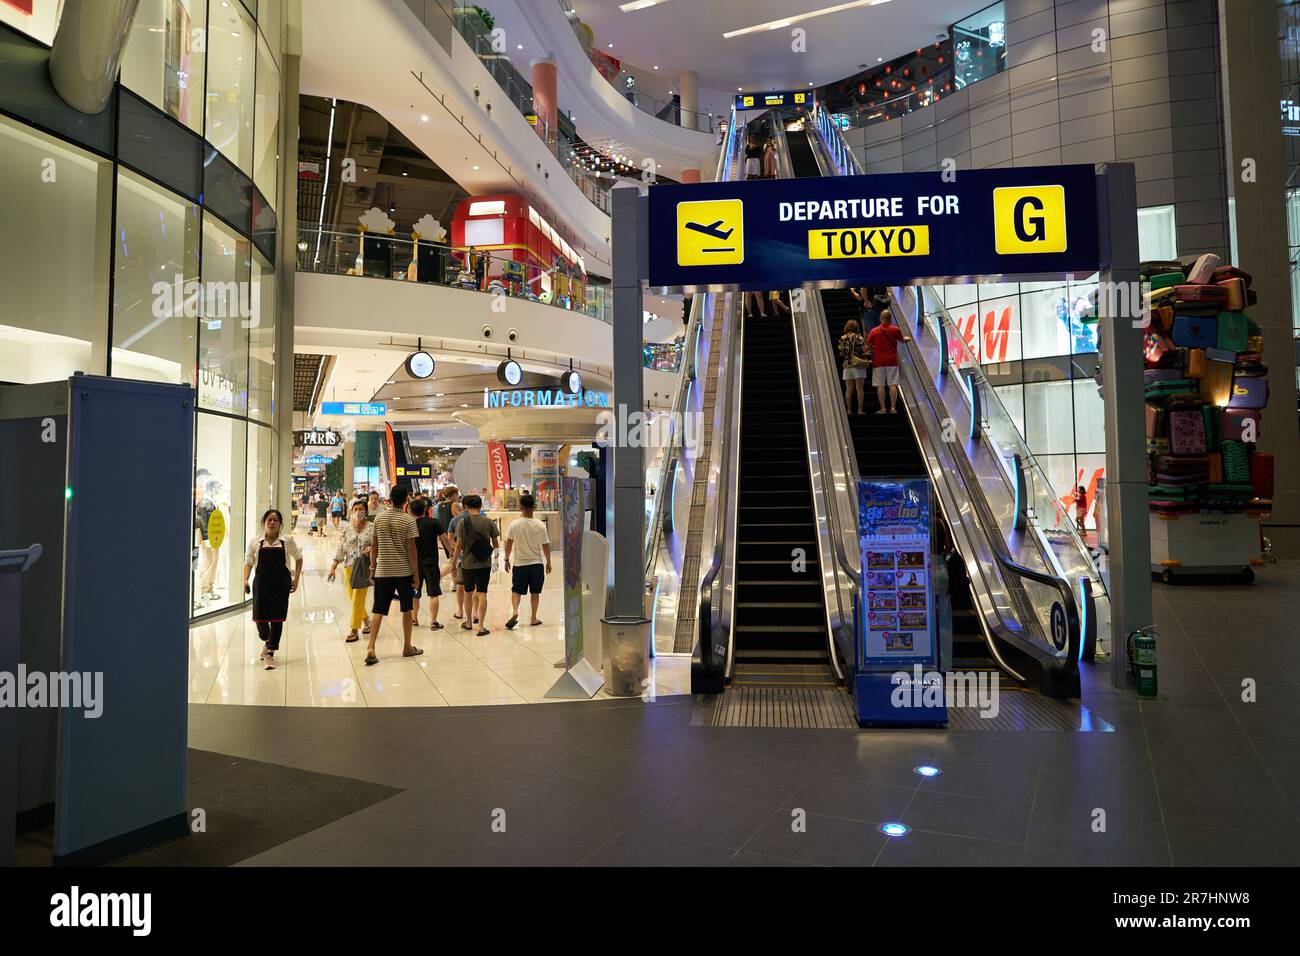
(546, 476)
(573, 507)
(498, 467)
(390, 443)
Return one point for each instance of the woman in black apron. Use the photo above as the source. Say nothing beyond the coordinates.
(268, 560)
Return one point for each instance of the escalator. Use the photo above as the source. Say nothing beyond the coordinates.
(779, 627)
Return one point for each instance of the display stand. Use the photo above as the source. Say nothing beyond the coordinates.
(12, 565)
(897, 681)
(1203, 544)
(580, 680)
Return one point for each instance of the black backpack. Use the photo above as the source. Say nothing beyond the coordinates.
(477, 542)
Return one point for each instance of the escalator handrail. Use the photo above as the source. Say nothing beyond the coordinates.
(997, 546)
(690, 343)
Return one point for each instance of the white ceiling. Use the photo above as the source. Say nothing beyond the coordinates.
(681, 35)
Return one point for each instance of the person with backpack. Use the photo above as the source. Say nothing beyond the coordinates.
(431, 535)
(853, 360)
(476, 540)
(394, 571)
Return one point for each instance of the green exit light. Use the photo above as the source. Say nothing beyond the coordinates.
(67, 493)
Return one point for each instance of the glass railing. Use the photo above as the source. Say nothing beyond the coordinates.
(400, 257)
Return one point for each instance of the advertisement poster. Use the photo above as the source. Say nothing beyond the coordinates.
(898, 602)
(573, 507)
(546, 477)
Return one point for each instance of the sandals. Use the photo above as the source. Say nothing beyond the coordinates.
(458, 615)
(466, 626)
(413, 652)
(352, 638)
(371, 659)
(483, 633)
(510, 624)
(534, 623)
(435, 626)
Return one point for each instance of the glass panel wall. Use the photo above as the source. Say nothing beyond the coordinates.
(261, 341)
(227, 315)
(220, 453)
(164, 57)
(232, 52)
(56, 203)
(155, 287)
(266, 133)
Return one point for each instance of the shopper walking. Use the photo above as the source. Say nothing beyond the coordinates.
(527, 537)
(338, 504)
(322, 513)
(354, 554)
(396, 571)
(882, 345)
(476, 540)
(1081, 510)
(373, 504)
(853, 360)
(769, 158)
(268, 560)
(432, 535)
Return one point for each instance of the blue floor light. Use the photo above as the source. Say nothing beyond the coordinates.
(927, 771)
(895, 829)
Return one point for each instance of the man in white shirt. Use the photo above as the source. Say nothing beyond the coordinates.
(528, 540)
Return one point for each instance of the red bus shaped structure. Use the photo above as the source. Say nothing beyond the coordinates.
(527, 255)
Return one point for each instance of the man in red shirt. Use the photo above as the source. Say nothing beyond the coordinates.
(882, 343)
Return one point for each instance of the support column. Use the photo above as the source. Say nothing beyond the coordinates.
(544, 99)
(627, 629)
(349, 457)
(688, 94)
(286, 257)
(1252, 79)
(87, 51)
(690, 174)
(1127, 517)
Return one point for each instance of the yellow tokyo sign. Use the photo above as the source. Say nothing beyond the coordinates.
(874, 242)
(1029, 219)
(711, 232)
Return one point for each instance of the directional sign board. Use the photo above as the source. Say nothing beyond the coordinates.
(881, 229)
(774, 99)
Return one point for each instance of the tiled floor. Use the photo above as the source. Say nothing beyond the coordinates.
(316, 668)
(1198, 777)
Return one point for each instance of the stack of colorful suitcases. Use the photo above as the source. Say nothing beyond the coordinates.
(1206, 386)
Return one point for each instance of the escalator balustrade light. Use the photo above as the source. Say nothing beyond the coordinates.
(927, 771)
(895, 829)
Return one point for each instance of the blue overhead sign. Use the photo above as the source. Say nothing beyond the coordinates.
(879, 229)
(363, 409)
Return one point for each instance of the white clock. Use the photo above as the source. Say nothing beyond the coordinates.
(571, 382)
(419, 364)
(510, 373)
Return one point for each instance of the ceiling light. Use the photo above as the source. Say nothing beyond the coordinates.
(424, 117)
(774, 24)
(639, 5)
(476, 167)
(519, 46)
(609, 45)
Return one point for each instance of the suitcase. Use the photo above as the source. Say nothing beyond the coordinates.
(1159, 393)
(1221, 355)
(1155, 423)
(1252, 298)
(1239, 424)
(1248, 364)
(1216, 383)
(1203, 270)
(1157, 297)
(1195, 331)
(1155, 267)
(1236, 293)
(1254, 343)
(1156, 349)
(1249, 391)
(1232, 272)
(1232, 332)
(1187, 432)
(1261, 475)
(1216, 467)
(1162, 318)
(1196, 298)
(1166, 279)
(1236, 466)
(1210, 414)
(1195, 363)
(1152, 375)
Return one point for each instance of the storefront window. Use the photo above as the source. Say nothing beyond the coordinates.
(1157, 233)
(1049, 418)
(261, 476)
(227, 315)
(54, 257)
(220, 522)
(261, 342)
(232, 50)
(266, 139)
(155, 290)
(164, 57)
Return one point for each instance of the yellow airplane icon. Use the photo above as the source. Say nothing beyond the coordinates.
(711, 232)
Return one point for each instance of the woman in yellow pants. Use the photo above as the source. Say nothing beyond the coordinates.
(354, 546)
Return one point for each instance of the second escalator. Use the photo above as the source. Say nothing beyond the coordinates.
(780, 615)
